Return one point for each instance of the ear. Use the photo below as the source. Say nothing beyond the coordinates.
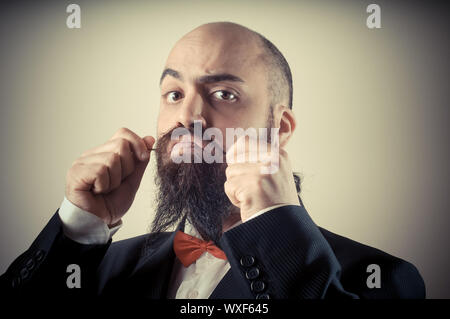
(284, 119)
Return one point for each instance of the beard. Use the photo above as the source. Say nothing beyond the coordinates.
(194, 191)
(190, 190)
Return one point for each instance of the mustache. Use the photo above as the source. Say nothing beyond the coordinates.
(165, 138)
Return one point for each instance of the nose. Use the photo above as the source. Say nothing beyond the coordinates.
(192, 110)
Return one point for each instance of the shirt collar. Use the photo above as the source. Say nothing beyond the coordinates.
(191, 230)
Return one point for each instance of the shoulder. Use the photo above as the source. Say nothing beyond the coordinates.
(398, 278)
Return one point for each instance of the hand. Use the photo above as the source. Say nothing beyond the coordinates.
(105, 179)
(250, 189)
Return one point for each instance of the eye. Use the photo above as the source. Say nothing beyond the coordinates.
(224, 95)
(173, 96)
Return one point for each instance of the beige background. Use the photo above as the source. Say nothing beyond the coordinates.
(372, 108)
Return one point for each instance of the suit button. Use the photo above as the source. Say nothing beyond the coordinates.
(16, 282)
(262, 296)
(24, 273)
(39, 255)
(30, 264)
(257, 286)
(247, 261)
(252, 273)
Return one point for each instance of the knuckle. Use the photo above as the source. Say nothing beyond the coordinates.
(259, 181)
(99, 184)
(228, 171)
(76, 166)
(84, 154)
(122, 130)
(227, 186)
(282, 153)
(230, 189)
(122, 145)
(246, 200)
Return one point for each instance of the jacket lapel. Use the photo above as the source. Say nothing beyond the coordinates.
(152, 273)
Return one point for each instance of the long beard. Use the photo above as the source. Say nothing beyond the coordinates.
(191, 190)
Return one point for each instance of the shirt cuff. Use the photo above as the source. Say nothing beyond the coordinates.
(84, 227)
(266, 210)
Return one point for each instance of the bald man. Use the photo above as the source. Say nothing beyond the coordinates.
(222, 229)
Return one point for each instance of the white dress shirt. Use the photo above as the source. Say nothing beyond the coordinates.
(197, 281)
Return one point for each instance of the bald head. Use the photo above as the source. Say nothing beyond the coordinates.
(247, 46)
(227, 31)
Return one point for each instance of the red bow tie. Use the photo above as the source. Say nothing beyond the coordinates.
(189, 248)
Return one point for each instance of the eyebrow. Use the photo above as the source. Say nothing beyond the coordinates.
(203, 79)
(170, 72)
(219, 78)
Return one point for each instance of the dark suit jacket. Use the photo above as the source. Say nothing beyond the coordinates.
(279, 254)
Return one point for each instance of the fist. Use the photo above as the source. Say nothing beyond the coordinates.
(105, 179)
(260, 179)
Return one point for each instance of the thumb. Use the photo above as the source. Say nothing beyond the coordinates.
(149, 141)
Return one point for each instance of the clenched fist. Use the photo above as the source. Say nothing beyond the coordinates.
(105, 179)
(253, 185)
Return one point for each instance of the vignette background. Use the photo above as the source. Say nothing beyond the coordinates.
(372, 109)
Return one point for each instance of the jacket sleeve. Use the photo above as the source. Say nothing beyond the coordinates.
(44, 268)
(282, 254)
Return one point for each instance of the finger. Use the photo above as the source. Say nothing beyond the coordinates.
(134, 143)
(149, 142)
(114, 163)
(138, 145)
(102, 179)
(252, 150)
(230, 190)
(238, 188)
(122, 148)
(94, 177)
(239, 169)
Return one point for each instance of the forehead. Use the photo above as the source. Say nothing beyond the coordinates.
(203, 53)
